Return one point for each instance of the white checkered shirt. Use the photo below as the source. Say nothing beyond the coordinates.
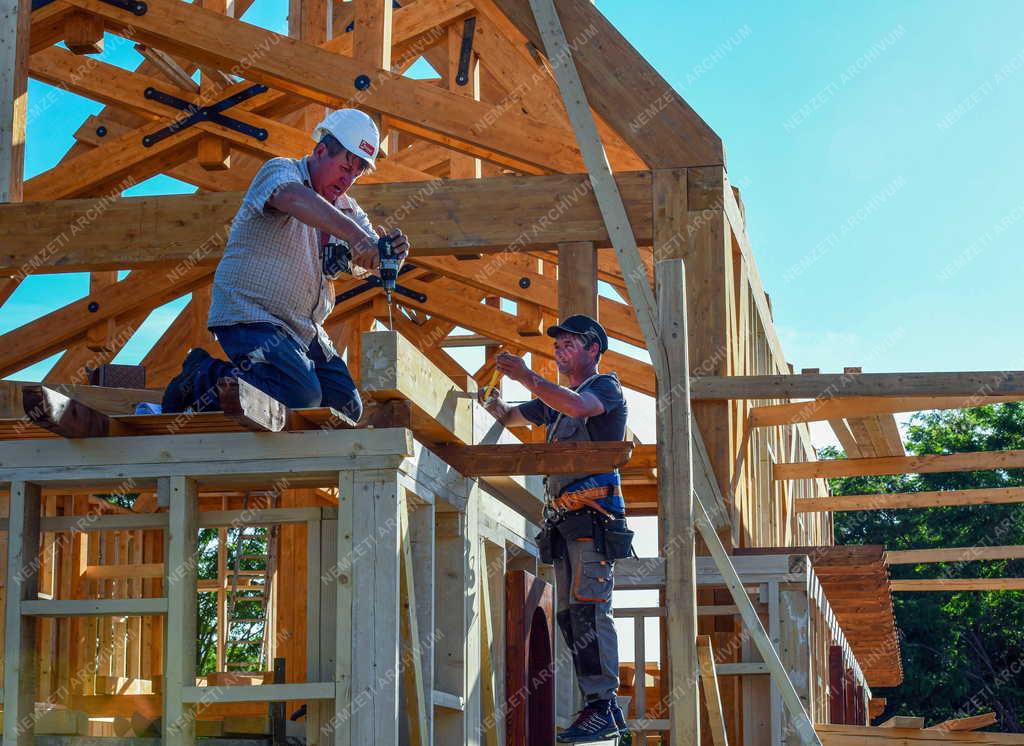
(271, 270)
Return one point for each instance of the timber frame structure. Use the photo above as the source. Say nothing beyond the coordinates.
(406, 597)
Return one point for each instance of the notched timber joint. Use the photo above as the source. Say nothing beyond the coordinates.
(211, 113)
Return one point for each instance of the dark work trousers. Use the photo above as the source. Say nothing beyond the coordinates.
(265, 356)
(584, 580)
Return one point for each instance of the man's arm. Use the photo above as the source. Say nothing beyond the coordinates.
(559, 398)
(506, 414)
(305, 205)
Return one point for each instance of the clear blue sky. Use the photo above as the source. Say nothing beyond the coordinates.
(876, 145)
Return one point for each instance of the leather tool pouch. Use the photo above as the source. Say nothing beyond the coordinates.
(545, 544)
(576, 525)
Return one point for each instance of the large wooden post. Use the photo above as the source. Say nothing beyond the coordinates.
(20, 631)
(675, 505)
(371, 715)
(14, 26)
(182, 587)
(577, 279)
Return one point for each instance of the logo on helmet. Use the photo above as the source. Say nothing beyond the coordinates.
(367, 148)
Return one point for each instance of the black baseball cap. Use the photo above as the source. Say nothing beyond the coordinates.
(586, 327)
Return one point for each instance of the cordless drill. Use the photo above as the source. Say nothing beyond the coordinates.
(388, 265)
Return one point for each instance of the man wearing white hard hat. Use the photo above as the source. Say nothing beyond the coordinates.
(296, 230)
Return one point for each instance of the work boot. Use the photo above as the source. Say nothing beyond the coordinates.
(594, 722)
(625, 737)
(180, 393)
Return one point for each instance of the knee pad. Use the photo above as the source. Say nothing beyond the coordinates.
(586, 647)
(565, 624)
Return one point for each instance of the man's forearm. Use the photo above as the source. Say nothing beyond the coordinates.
(555, 396)
(305, 205)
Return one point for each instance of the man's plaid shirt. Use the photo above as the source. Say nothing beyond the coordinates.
(271, 270)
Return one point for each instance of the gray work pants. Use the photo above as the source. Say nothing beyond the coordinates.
(584, 581)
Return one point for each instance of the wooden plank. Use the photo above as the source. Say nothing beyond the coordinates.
(465, 216)
(966, 724)
(826, 409)
(952, 554)
(983, 496)
(250, 407)
(604, 185)
(621, 85)
(927, 464)
(712, 698)
(342, 579)
(52, 410)
(958, 584)
(312, 690)
(14, 22)
(96, 607)
(836, 385)
(21, 584)
(851, 735)
(536, 458)
(903, 721)
(181, 589)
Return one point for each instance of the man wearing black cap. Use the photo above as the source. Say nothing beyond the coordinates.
(584, 515)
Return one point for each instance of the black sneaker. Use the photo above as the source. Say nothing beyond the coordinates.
(595, 722)
(180, 392)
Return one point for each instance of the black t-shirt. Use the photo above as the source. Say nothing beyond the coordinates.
(608, 426)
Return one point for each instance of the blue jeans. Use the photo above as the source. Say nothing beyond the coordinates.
(272, 361)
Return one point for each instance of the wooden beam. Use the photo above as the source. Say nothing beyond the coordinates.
(709, 684)
(577, 279)
(903, 721)
(21, 586)
(52, 410)
(892, 501)
(966, 724)
(958, 584)
(105, 399)
(180, 627)
(251, 407)
(927, 464)
(392, 368)
(83, 33)
(413, 674)
(488, 216)
(852, 735)
(536, 458)
(14, 28)
(52, 332)
(320, 76)
(952, 554)
(620, 84)
(827, 409)
(835, 385)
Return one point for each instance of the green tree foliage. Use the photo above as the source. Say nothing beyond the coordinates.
(963, 652)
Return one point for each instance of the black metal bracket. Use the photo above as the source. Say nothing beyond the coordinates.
(466, 52)
(135, 7)
(373, 281)
(211, 113)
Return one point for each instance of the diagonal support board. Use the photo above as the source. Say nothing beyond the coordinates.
(605, 189)
(752, 622)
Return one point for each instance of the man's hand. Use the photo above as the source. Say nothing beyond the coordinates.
(513, 366)
(399, 242)
(498, 408)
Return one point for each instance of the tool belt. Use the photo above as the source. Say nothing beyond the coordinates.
(611, 536)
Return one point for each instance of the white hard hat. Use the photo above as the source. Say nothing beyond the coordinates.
(354, 129)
